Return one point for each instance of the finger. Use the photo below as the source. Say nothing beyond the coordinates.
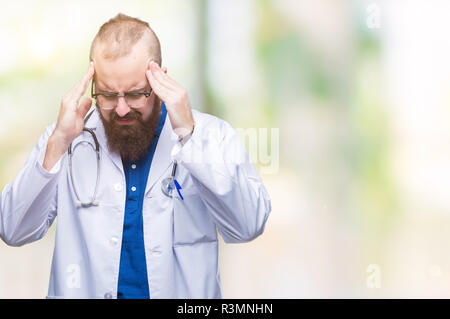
(161, 91)
(154, 82)
(88, 76)
(90, 73)
(80, 89)
(84, 107)
(163, 77)
(159, 80)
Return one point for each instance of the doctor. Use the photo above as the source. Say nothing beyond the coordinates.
(140, 237)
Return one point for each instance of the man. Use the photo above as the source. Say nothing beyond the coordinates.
(144, 223)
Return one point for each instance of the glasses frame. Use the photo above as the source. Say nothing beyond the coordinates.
(113, 94)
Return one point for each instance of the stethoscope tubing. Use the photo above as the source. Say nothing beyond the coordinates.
(93, 201)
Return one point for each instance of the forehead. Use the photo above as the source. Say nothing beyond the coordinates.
(124, 73)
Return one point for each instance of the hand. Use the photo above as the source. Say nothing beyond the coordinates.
(174, 96)
(71, 116)
(70, 121)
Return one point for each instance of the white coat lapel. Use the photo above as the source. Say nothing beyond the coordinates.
(161, 159)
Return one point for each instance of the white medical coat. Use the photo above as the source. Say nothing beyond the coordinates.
(222, 194)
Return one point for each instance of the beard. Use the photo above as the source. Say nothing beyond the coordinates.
(133, 141)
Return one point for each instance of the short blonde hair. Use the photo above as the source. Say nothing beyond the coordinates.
(120, 34)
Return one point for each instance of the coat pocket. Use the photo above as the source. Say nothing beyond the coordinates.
(191, 221)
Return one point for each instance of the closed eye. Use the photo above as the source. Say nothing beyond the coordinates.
(108, 94)
(134, 94)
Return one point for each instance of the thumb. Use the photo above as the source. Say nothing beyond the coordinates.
(84, 107)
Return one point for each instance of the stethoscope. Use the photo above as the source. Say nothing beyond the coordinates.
(93, 201)
(168, 185)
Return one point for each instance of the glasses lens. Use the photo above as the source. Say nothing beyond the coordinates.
(135, 100)
(107, 102)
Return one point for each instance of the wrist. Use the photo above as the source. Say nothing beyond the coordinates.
(184, 138)
(58, 142)
(56, 147)
(60, 139)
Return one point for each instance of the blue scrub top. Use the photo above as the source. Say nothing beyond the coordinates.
(133, 281)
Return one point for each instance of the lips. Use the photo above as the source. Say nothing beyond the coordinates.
(125, 121)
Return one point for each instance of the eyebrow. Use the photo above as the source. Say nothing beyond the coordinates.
(140, 89)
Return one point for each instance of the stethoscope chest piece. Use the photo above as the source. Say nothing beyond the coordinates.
(169, 184)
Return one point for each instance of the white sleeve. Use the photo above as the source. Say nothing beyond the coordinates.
(28, 205)
(227, 181)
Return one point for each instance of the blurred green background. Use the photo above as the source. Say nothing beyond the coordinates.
(358, 91)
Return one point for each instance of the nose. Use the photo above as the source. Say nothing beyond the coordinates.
(122, 108)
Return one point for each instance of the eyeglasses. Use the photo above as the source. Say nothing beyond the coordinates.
(109, 100)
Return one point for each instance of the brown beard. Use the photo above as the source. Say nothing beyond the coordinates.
(132, 142)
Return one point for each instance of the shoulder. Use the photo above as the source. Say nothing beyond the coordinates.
(210, 122)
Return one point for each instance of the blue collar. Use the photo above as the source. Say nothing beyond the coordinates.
(162, 119)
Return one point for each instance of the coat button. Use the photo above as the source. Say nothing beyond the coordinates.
(108, 295)
(118, 187)
(133, 189)
(133, 166)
